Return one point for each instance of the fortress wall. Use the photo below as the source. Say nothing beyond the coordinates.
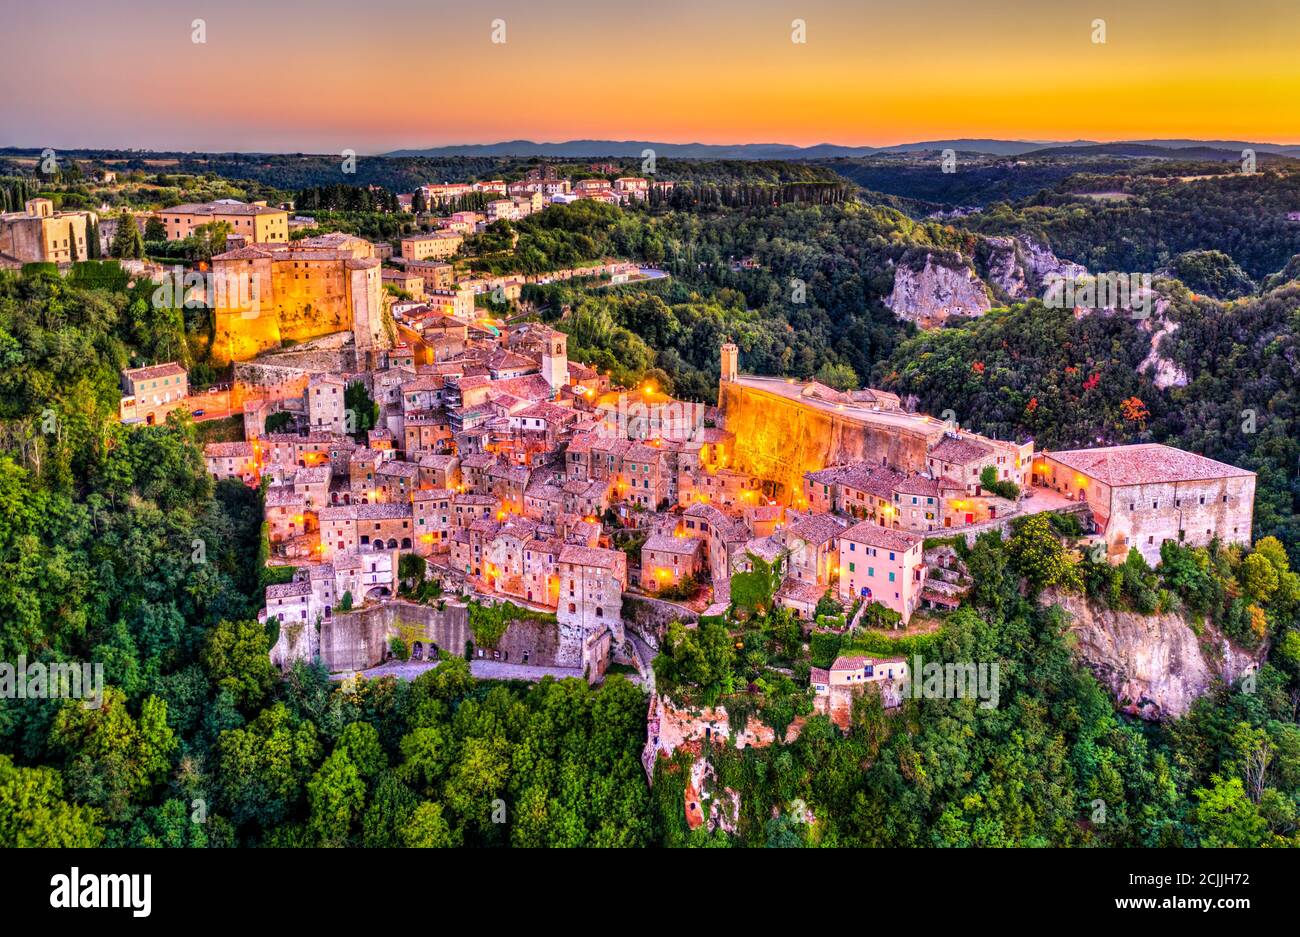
(359, 639)
(778, 439)
(293, 303)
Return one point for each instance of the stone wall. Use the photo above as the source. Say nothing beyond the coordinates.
(670, 727)
(649, 617)
(359, 639)
(778, 439)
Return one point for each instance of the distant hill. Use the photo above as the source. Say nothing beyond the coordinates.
(625, 149)
(1226, 153)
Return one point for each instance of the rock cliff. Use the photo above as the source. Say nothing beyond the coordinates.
(1164, 372)
(930, 295)
(1018, 266)
(1155, 665)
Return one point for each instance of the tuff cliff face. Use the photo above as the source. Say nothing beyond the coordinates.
(1155, 665)
(778, 439)
(1018, 266)
(1164, 372)
(931, 295)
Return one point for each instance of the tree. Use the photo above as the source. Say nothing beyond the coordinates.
(428, 829)
(336, 795)
(261, 769)
(1037, 554)
(127, 242)
(33, 812)
(154, 229)
(113, 759)
(1226, 816)
(838, 376)
(361, 407)
(236, 654)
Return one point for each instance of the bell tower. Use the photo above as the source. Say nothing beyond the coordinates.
(730, 360)
(555, 360)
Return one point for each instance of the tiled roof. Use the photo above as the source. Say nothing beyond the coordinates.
(817, 529)
(959, 451)
(148, 372)
(887, 538)
(667, 543)
(1149, 463)
(385, 511)
(227, 450)
(590, 556)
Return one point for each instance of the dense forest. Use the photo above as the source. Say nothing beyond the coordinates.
(1052, 764)
(117, 548)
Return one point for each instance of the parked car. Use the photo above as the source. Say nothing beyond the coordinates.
(199, 412)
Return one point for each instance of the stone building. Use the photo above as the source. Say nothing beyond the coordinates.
(39, 234)
(255, 222)
(151, 392)
(592, 582)
(313, 287)
(1143, 495)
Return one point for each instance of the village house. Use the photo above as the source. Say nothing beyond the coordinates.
(255, 222)
(232, 460)
(431, 244)
(835, 688)
(667, 559)
(39, 234)
(878, 564)
(151, 392)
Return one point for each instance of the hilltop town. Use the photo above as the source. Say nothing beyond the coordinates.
(420, 454)
(425, 451)
(590, 435)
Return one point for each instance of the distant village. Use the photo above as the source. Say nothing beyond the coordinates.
(519, 475)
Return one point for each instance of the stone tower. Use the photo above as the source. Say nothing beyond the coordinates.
(555, 360)
(730, 360)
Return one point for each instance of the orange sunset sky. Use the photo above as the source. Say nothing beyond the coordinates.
(324, 75)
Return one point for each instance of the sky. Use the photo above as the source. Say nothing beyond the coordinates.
(375, 75)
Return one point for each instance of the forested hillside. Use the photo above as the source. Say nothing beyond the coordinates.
(117, 548)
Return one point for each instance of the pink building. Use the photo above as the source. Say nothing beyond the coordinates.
(879, 564)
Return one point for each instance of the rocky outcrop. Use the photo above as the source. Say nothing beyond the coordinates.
(1018, 266)
(937, 291)
(1155, 665)
(1042, 262)
(1164, 372)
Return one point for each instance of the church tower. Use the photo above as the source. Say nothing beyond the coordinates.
(730, 360)
(555, 360)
